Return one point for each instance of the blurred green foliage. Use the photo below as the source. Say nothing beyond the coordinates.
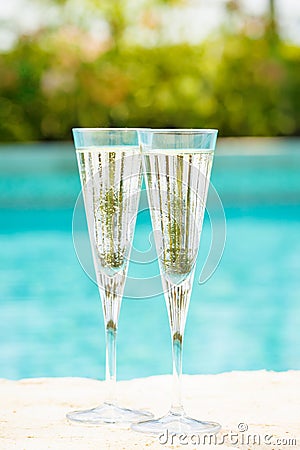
(243, 80)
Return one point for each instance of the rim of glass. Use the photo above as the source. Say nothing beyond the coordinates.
(153, 130)
(181, 130)
(108, 129)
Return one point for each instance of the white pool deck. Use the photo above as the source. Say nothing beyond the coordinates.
(257, 410)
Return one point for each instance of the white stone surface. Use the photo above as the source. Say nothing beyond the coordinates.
(32, 411)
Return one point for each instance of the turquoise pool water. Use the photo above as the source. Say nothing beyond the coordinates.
(247, 316)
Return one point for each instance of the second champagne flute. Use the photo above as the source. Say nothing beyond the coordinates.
(177, 171)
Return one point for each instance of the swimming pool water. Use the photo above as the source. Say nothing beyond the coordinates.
(247, 316)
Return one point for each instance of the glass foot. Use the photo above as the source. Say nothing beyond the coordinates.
(176, 424)
(108, 413)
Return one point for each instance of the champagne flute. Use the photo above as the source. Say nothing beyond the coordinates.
(109, 162)
(177, 165)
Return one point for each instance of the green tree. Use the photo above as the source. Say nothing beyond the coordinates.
(67, 75)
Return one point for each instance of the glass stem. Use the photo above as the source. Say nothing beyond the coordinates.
(111, 336)
(111, 290)
(177, 299)
(176, 407)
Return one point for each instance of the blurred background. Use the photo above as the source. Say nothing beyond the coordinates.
(159, 63)
(232, 65)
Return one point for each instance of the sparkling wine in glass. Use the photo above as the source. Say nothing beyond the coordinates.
(109, 162)
(177, 165)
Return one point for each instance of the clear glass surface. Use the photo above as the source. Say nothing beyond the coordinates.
(177, 166)
(109, 162)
